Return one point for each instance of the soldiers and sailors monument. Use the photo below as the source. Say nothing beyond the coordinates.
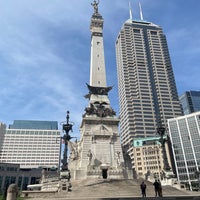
(98, 154)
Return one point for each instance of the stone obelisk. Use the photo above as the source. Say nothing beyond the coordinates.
(98, 154)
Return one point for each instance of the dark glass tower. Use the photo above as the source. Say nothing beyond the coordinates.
(147, 89)
(190, 101)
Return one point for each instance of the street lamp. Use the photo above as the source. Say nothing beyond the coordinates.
(67, 127)
(161, 131)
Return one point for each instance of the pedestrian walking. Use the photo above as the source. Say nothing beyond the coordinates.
(156, 187)
(143, 189)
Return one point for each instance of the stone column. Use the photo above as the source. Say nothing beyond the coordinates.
(12, 192)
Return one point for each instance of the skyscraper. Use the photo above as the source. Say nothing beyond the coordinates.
(147, 89)
(190, 101)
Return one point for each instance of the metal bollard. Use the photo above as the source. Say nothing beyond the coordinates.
(12, 192)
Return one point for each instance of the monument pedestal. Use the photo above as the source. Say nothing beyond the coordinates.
(99, 149)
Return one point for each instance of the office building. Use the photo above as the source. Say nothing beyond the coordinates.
(190, 101)
(148, 157)
(31, 144)
(147, 89)
(2, 131)
(184, 133)
(11, 173)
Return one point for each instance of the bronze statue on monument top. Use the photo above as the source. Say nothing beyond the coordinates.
(95, 5)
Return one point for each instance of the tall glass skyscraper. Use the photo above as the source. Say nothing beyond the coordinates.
(147, 89)
(190, 101)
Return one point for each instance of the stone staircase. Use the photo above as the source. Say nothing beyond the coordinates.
(116, 190)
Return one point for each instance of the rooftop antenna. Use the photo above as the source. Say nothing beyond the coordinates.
(131, 16)
(141, 15)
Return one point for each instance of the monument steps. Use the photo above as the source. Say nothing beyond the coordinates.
(116, 189)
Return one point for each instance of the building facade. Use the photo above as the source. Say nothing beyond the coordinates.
(190, 101)
(147, 89)
(11, 173)
(2, 131)
(31, 144)
(184, 133)
(148, 158)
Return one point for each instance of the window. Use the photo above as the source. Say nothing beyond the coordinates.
(153, 33)
(136, 30)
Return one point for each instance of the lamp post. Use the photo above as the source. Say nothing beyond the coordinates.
(161, 131)
(67, 127)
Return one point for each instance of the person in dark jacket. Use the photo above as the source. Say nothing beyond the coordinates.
(156, 188)
(143, 189)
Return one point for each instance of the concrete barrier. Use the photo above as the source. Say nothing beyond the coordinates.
(12, 192)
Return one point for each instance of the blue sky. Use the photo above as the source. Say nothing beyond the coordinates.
(45, 52)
